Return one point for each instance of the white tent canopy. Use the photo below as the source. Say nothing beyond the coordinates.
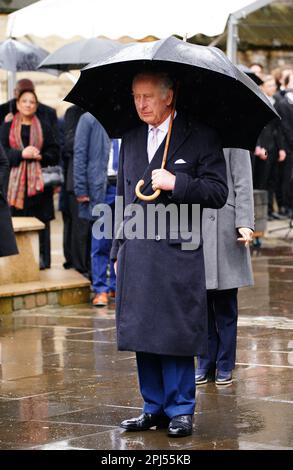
(116, 18)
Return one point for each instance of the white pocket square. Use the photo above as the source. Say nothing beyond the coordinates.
(179, 161)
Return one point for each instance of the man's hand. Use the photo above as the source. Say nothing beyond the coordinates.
(82, 199)
(163, 179)
(115, 267)
(261, 152)
(282, 155)
(246, 235)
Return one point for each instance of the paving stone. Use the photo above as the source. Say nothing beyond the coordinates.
(18, 303)
(41, 299)
(29, 301)
(74, 296)
(52, 298)
(6, 306)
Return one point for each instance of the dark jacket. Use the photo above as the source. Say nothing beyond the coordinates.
(285, 110)
(7, 238)
(90, 162)
(41, 205)
(161, 290)
(71, 119)
(272, 138)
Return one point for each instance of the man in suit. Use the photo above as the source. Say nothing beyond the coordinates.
(285, 182)
(161, 298)
(267, 165)
(7, 240)
(46, 114)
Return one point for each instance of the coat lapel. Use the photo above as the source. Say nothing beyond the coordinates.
(181, 130)
(140, 162)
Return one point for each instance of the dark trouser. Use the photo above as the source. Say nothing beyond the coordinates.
(222, 332)
(266, 176)
(166, 383)
(78, 238)
(284, 191)
(45, 246)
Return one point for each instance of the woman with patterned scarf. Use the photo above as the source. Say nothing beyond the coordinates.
(30, 145)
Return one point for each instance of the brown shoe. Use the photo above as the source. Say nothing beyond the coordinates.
(100, 300)
(112, 295)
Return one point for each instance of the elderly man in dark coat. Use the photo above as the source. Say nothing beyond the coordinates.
(7, 240)
(161, 297)
(227, 267)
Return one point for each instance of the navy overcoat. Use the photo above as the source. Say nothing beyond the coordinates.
(161, 291)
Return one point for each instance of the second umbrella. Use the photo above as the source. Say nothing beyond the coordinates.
(78, 54)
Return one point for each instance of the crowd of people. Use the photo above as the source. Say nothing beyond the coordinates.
(272, 160)
(81, 146)
(165, 329)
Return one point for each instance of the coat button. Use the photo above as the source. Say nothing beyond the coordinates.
(212, 217)
(157, 238)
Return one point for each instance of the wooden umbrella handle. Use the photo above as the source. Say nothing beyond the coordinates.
(139, 185)
(142, 196)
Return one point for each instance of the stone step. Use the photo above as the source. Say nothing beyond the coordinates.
(55, 287)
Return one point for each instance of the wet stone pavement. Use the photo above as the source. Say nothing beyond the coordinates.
(63, 385)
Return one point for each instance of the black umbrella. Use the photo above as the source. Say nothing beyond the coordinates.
(17, 56)
(211, 89)
(78, 54)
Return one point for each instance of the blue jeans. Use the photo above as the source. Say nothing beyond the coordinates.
(100, 254)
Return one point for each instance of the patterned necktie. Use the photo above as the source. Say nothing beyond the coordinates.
(153, 142)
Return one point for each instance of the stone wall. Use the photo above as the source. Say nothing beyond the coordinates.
(270, 59)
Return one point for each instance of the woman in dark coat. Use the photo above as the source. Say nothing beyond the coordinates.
(30, 145)
(7, 239)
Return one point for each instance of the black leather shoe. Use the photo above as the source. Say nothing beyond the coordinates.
(180, 426)
(145, 422)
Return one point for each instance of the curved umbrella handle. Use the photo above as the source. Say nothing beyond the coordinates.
(141, 196)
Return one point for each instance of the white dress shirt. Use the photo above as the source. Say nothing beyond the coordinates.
(111, 171)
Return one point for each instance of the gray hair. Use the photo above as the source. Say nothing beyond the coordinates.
(164, 80)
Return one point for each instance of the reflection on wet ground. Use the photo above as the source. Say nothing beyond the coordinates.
(63, 385)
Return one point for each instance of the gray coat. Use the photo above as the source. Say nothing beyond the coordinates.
(161, 293)
(227, 262)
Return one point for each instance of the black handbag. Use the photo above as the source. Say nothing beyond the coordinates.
(53, 176)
